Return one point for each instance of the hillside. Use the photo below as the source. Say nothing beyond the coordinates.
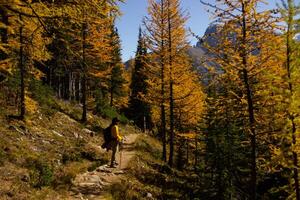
(41, 156)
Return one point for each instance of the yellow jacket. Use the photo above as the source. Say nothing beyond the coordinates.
(115, 133)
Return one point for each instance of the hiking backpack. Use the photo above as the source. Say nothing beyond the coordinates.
(107, 136)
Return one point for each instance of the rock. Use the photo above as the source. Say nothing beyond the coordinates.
(77, 136)
(86, 130)
(86, 184)
(119, 172)
(149, 195)
(94, 179)
(56, 133)
(103, 169)
(58, 162)
(90, 187)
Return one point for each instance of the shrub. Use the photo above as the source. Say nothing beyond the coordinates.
(41, 172)
(71, 156)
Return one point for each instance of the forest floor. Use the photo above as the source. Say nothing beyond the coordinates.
(95, 184)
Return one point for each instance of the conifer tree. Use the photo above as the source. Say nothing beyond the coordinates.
(174, 86)
(117, 80)
(289, 12)
(139, 109)
(246, 56)
(156, 38)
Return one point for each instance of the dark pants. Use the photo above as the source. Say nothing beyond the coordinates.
(114, 147)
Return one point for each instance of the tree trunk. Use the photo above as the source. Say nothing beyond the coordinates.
(252, 134)
(78, 88)
(180, 154)
(187, 152)
(70, 86)
(172, 136)
(111, 93)
(4, 36)
(59, 87)
(196, 154)
(84, 109)
(289, 73)
(144, 124)
(171, 97)
(163, 112)
(163, 132)
(22, 74)
(250, 108)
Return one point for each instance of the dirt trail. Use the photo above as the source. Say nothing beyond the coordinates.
(92, 185)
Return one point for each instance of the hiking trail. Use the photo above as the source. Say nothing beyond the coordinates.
(93, 185)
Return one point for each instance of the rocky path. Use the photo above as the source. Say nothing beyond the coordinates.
(92, 185)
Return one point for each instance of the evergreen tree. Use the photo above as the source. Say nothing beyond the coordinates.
(289, 12)
(174, 86)
(139, 109)
(117, 80)
(156, 26)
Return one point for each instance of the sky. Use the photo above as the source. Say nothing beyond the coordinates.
(133, 12)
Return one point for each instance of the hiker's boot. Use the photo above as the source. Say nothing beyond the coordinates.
(113, 166)
(115, 163)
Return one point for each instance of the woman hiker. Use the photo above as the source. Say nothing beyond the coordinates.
(115, 141)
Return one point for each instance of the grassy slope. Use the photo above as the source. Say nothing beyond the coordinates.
(40, 156)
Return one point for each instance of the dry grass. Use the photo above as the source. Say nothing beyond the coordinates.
(150, 178)
(53, 147)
